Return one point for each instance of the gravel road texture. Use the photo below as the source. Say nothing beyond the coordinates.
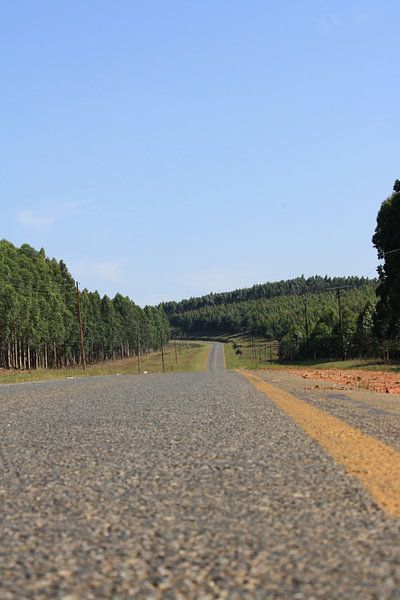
(186, 486)
(372, 412)
(375, 464)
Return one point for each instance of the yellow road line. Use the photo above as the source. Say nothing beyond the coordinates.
(374, 463)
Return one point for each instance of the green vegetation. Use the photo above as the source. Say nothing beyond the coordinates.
(197, 361)
(264, 291)
(313, 319)
(39, 328)
(250, 353)
(257, 353)
(189, 356)
(289, 318)
(386, 240)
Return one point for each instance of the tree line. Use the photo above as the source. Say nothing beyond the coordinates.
(307, 324)
(263, 291)
(318, 317)
(39, 325)
(314, 318)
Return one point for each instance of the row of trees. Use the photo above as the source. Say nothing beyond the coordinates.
(319, 317)
(39, 325)
(264, 291)
(307, 325)
(386, 240)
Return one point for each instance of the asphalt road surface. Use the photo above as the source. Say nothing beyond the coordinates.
(189, 486)
(216, 359)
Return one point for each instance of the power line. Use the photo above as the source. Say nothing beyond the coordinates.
(78, 307)
(58, 287)
(390, 252)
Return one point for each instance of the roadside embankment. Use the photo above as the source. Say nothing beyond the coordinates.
(377, 381)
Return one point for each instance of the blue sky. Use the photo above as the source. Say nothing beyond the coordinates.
(166, 149)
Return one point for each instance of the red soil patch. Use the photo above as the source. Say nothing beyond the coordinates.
(376, 381)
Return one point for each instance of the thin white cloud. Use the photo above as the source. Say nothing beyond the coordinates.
(109, 270)
(34, 219)
(362, 17)
(329, 23)
(45, 216)
(93, 271)
(215, 280)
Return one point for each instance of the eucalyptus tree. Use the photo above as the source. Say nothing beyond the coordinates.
(386, 240)
(39, 327)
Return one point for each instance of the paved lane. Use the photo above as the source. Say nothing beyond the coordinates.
(179, 486)
(374, 413)
(216, 358)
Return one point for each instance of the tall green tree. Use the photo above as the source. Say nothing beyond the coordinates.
(386, 240)
(38, 316)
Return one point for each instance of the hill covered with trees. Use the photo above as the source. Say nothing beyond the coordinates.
(264, 291)
(303, 314)
(39, 325)
(318, 317)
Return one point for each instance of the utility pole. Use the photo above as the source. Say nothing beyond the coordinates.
(138, 346)
(162, 354)
(78, 306)
(306, 325)
(291, 341)
(176, 355)
(340, 322)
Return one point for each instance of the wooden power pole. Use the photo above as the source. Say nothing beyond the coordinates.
(162, 353)
(306, 326)
(138, 346)
(78, 306)
(340, 322)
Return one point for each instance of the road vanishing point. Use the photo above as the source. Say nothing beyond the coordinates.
(200, 486)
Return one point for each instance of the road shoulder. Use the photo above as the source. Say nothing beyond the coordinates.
(375, 464)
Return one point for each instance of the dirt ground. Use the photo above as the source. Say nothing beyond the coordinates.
(377, 381)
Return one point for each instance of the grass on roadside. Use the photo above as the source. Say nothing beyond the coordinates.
(190, 356)
(253, 353)
(367, 364)
(250, 353)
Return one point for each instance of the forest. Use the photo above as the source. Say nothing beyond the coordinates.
(264, 291)
(314, 318)
(39, 319)
(47, 322)
(304, 319)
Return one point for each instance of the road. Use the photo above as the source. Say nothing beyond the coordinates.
(187, 486)
(216, 358)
